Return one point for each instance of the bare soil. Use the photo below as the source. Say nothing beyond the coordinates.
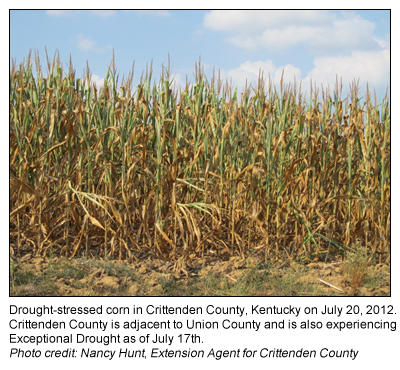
(208, 276)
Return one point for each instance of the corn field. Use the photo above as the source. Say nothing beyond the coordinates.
(125, 171)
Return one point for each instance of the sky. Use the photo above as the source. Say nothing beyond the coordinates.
(320, 45)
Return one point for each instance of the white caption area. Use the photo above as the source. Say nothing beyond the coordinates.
(197, 332)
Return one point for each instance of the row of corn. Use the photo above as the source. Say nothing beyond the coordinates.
(122, 171)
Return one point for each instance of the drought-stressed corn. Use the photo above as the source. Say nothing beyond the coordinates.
(120, 171)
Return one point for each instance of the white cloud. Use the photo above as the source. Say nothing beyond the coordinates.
(85, 43)
(367, 66)
(278, 30)
(353, 33)
(103, 13)
(255, 21)
(250, 72)
(383, 42)
(64, 13)
(61, 13)
(370, 67)
(178, 81)
(156, 13)
(278, 40)
(343, 46)
(98, 81)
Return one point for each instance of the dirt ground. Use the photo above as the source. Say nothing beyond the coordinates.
(209, 276)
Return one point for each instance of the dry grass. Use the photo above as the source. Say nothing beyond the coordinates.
(60, 276)
(122, 171)
(355, 268)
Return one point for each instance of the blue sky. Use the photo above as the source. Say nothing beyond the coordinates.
(305, 44)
